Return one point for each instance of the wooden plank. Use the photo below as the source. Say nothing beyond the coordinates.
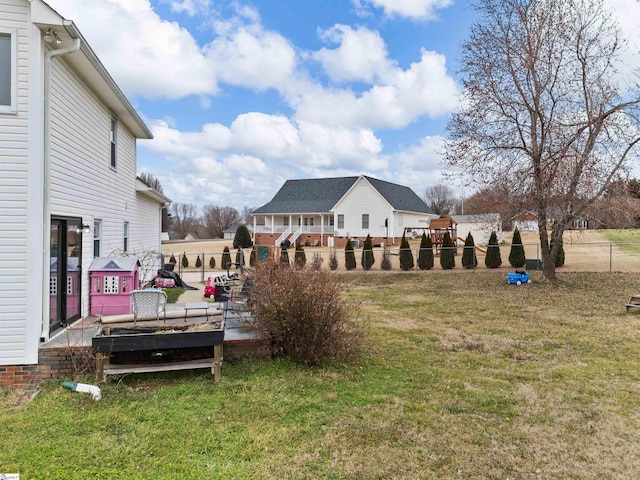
(158, 367)
(217, 362)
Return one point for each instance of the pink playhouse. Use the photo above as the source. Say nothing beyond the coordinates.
(112, 281)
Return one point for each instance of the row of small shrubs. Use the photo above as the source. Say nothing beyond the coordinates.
(517, 258)
(224, 261)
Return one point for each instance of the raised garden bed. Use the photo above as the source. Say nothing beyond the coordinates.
(144, 349)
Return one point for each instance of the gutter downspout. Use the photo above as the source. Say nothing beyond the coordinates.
(46, 250)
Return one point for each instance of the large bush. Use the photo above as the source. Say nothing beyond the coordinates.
(349, 256)
(469, 258)
(303, 313)
(242, 238)
(447, 253)
(367, 253)
(493, 258)
(425, 255)
(406, 256)
(516, 255)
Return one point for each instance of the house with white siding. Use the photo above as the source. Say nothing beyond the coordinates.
(479, 226)
(328, 211)
(68, 186)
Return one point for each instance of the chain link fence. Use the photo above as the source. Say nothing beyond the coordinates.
(579, 257)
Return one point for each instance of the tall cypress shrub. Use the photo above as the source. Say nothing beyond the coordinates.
(493, 259)
(469, 258)
(252, 257)
(226, 258)
(198, 262)
(559, 261)
(367, 259)
(185, 260)
(172, 259)
(516, 255)
(425, 256)
(349, 256)
(299, 257)
(212, 263)
(284, 256)
(386, 261)
(406, 257)
(447, 253)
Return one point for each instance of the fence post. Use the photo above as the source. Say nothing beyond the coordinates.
(202, 267)
(610, 257)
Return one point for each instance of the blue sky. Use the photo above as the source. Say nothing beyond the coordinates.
(243, 95)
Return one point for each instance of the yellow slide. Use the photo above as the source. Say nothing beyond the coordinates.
(477, 247)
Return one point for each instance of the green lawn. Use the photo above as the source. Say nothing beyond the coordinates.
(465, 377)
(628, 240)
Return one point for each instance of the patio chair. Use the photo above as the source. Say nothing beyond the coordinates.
(147, 303)
(236, 303)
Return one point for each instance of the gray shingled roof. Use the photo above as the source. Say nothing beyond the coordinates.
(320, 195)
(116, 264)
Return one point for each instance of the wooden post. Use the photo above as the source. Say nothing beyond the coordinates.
(217, 362)
(100, 377)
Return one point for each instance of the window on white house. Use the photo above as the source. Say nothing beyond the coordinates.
(365, 221)
(125, 237)
(341, 220)
(97, 237)
(7, 71)
(331, 221)
(113, 138)
(285, 221)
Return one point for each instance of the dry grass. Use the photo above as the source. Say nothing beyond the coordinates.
(465, 377)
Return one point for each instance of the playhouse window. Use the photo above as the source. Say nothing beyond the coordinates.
(53, 286)
(111, 284)
(69, 285)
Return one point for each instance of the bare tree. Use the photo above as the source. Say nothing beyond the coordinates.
(150, 181)
(184, 218)
(215, 220)
(440, 198)
(543, 112)
(245, 216)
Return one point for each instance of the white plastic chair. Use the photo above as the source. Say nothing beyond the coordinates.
(147, 303)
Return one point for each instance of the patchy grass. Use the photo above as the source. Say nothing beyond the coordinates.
(173, 293)
(628, 240)
(465, 377)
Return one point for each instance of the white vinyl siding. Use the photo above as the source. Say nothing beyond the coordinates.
(16, 301)
(362, 197)
(83, 184)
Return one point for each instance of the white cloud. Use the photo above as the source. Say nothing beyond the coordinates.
(415, 9)
(148, 56)
(190, 7)
(361, 55)
(424, 88)
(267, 135)
(253, 58)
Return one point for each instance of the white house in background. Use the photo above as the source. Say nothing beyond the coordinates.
(480, 226)
(68, 188)
(328, 211)
(525, 222)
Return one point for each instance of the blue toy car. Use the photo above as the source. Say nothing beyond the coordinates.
(518, 278)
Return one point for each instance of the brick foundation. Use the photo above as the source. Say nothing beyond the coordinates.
(54, 362)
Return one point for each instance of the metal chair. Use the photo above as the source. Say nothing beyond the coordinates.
(149, 303)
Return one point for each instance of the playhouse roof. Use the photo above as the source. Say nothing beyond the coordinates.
(114, 264)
